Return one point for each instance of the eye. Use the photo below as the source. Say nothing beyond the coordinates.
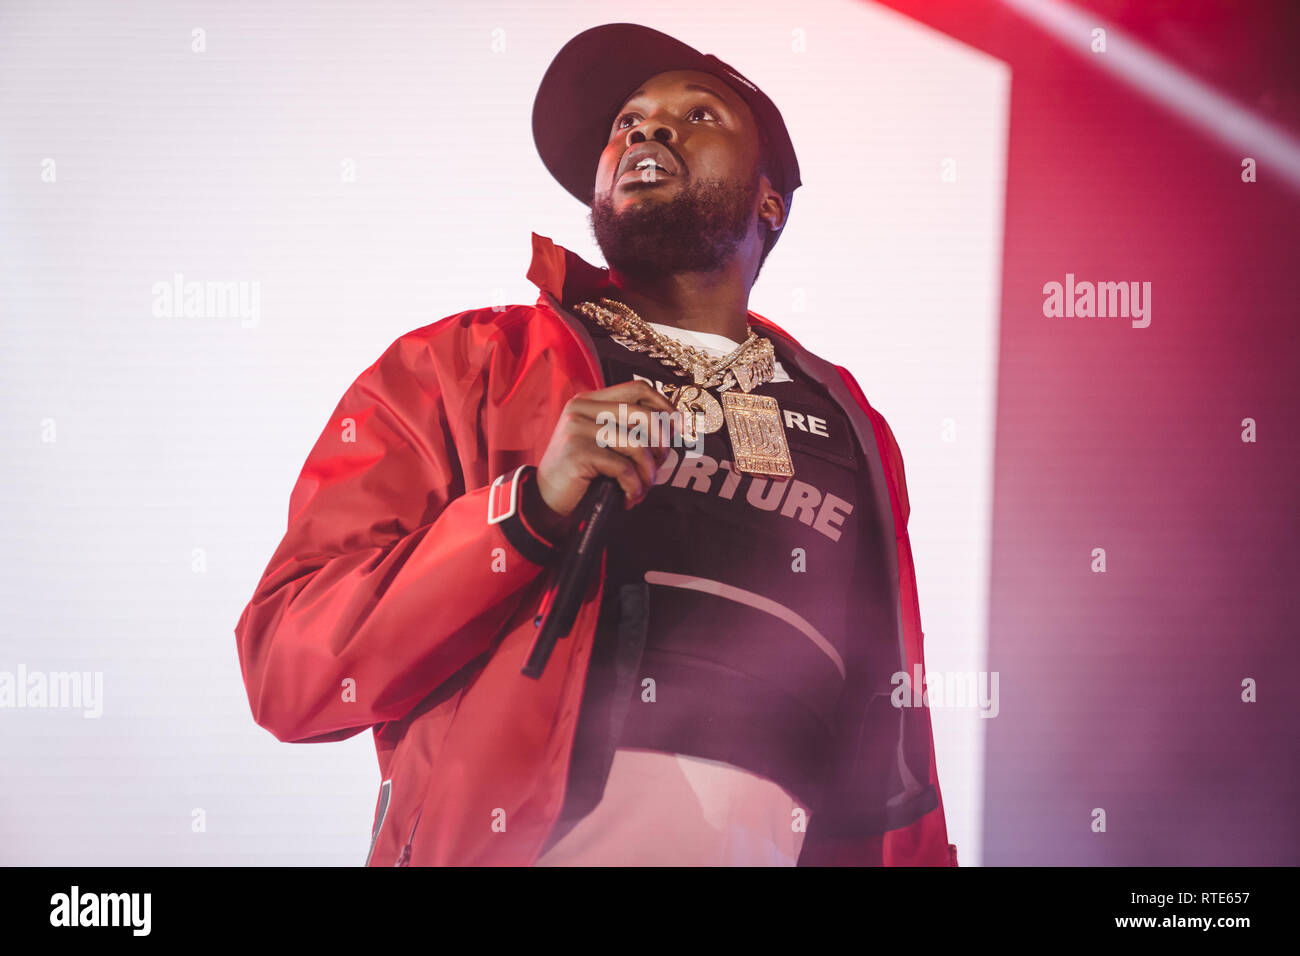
(626, 119)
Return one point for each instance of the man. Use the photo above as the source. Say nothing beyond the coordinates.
(726, 695)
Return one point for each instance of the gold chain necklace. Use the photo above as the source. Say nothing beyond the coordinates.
(754, 422)
(757, 367)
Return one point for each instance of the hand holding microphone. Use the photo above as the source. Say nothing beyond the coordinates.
(575, 456)
(581, 477)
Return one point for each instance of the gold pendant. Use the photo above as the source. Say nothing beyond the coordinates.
(694, 402)
(757, 435)
(744, 376)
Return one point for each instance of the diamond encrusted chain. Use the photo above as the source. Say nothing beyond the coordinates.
(749, 365)
(754, 422)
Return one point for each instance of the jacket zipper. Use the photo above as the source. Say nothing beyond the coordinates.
(404, 858)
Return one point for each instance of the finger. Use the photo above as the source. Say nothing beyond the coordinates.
(607, 461)
(632, 391)
(643, 459)
(634, 424)
(590, 435)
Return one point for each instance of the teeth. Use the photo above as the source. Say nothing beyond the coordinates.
(647, 161)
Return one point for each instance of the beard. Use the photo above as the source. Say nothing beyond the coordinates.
(698, 230)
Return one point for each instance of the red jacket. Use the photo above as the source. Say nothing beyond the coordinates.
(393, 603)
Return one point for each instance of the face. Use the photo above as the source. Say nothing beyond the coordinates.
(677, 185)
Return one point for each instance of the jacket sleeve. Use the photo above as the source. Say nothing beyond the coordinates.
(390, 577)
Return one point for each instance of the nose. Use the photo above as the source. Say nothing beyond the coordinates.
(657, 129)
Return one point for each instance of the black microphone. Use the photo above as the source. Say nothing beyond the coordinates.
(602, 498)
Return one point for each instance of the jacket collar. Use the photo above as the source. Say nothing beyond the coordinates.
(564, 274)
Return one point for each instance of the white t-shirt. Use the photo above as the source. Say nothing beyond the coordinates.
(711, 342)
(672, 810)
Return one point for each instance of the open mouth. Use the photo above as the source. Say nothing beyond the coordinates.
(647, 163)
(647, 170)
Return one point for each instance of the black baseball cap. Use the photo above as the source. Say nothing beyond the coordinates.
(595, 73)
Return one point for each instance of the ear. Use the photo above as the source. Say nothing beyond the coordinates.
(771, 205)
